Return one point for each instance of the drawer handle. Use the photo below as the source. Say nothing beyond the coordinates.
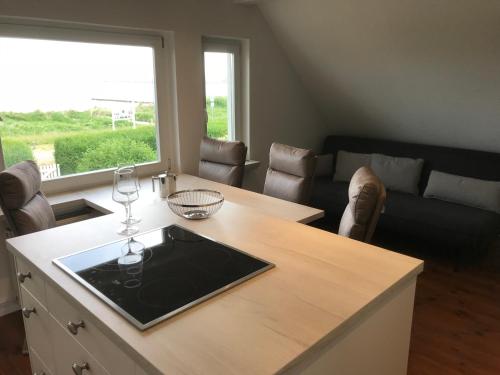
(23, 276)
(27, 312)
(73, 327)
(78, 369)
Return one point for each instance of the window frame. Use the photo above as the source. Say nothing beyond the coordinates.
(234, 47)
(163, 90)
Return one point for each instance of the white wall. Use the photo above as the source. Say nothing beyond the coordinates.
(416, 70)
(280, 110)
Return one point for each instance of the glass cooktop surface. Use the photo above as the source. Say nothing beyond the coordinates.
(156, 275)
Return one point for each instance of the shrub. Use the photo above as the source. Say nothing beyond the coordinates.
(145, 112)
(217, 118)
(68, 151)
(112, 152)
(15, 151)
(217, 130)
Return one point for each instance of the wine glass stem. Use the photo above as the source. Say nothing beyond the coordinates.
(127, 213)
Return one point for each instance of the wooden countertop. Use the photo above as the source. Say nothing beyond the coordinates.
(322, 285)
(100, 198)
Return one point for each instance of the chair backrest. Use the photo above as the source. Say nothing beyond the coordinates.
(290, 173)
(23, 204)
(222, 161)
(366, 200)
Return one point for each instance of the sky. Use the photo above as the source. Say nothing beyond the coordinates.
(51, 75)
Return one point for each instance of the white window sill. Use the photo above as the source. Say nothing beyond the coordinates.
(251, 164)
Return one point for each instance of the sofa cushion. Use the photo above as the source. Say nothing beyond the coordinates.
(412, 214)
(330, 196)
(468, 191)
(399, 174)
(462, 162)
(324, 165)
(349, 162)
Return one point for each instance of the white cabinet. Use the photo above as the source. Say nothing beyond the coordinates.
(37, 325)
(71, 358)
(38, 367)
(62, 339)
(80, 327)
(31, 279)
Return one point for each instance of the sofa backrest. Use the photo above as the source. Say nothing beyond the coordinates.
(462, 162)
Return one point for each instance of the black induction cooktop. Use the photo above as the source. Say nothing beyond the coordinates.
(156, 275)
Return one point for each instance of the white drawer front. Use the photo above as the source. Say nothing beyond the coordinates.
(31, 279)
(68, 353)
(37, 328)
(37, 365)
(91, 338)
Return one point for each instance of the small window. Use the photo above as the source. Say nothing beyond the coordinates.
(222, 88)
(76, 107)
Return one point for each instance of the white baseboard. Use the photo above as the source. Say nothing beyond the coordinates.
(8, 307)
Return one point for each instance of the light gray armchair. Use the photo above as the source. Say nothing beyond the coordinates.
(290, 173)
(23, 204)
(366, 200)
(222, 161)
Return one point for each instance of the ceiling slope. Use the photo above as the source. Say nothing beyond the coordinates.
(417, 70)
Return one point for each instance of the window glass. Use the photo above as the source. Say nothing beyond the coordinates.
(219, 95)
(76, 107)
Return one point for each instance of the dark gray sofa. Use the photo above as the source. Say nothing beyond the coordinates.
(414, 217)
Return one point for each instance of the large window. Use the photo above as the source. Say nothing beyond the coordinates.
(222, 88)
(76, 106)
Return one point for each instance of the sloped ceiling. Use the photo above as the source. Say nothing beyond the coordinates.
(415, 70)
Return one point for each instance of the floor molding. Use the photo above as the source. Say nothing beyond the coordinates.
(8, 307)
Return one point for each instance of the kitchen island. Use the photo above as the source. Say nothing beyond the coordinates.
(330, 305)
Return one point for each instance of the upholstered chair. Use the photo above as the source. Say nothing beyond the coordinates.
(290, 173)
(23, 204)
(222, 161)
(366, 200)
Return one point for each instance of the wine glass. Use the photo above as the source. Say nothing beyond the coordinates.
(132, 252)
(132, 219)
(125, 191)
(131, 263)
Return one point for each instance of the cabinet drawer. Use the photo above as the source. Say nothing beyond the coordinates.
(68, 353)
(91, 338)
(37, 328)
(31, 279)
(37, 365)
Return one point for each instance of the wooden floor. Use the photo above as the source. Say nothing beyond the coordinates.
(456, 325)
(12, 361)
(456, 322)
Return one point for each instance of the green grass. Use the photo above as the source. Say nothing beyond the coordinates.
(15, 151)
(38, 127)
(76, 136)
(217, 118)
